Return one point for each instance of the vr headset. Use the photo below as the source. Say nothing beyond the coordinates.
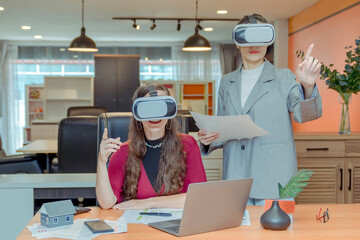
(154, 107)
(253, 34)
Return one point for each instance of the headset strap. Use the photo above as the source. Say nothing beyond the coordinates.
(252, 19)
(152, 90)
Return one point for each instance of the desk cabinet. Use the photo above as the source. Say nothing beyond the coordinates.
(335, 161)
(213, 165)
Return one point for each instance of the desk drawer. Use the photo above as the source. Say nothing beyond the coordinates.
(353, 148)
(320, 148)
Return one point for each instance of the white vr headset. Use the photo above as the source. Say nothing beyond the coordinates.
(253, 34)
(154, 107)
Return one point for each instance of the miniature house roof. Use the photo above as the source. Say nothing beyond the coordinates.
(58, 208)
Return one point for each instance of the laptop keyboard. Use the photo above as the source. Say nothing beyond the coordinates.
(173, 229)
(177, 221)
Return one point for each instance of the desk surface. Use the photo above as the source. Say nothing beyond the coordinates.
(343, 224)
(40, 146)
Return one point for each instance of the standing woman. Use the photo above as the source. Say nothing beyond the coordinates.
(153, 169)
(271, 97)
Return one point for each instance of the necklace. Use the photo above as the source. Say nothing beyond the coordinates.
(155, 146)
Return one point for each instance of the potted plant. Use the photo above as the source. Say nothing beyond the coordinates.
(345, 84)
(275, 218)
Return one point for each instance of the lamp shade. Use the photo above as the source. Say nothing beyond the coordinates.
(196, 42)
(83, 43)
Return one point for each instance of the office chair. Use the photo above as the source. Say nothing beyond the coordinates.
(77, 144)
(86, 111)
(118, 123)
(18, 163)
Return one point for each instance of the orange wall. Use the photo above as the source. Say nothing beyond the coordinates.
(329, 36)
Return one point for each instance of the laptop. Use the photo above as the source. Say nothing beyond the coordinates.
(210, 206)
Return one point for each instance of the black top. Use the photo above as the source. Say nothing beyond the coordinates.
(151, 161)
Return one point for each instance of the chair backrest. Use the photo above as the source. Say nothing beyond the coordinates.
(118, 123)
(77, 149)
(85, 111)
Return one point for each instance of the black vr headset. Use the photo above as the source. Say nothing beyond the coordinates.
(154, 107)
(253, 34)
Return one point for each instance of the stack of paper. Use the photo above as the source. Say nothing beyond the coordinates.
(78, 230)
(229, 127)
(133, 216)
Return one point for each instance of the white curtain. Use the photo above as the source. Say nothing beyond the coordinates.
(197, 66)
(10, 122)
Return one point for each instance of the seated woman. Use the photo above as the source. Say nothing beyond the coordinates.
(153, 169)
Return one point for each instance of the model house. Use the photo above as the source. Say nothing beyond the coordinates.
(56, 214)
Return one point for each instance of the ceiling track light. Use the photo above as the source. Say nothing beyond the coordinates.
(153, 25)
(178, 25)
(197, 20)
(198, 25)
(83, 43)
(136, 26)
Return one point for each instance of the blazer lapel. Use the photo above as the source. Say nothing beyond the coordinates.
(235, 92)
(261, 87)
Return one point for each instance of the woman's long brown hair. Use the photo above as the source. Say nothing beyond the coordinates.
(172, 166)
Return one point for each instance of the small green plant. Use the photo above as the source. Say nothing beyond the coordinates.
(349, 81)
(295, 185)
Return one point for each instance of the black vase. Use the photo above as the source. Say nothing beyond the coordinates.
(275, 218)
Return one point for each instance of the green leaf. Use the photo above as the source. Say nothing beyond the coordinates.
(295, 184)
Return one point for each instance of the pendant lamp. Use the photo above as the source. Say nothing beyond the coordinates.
(83, 43)
(196, 42)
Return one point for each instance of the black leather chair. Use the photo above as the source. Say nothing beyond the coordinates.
(85, 111)
(18, 163)
(77, 149)
(118, 123)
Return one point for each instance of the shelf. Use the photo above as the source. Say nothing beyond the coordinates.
(36, 99)
(32, 113)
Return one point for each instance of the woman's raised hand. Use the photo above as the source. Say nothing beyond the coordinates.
(308, 71)
(207, 138)
(108, 146)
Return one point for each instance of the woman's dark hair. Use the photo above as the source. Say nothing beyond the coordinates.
(172, 166)
(245, 19)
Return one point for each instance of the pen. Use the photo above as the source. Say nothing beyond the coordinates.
(160, 214)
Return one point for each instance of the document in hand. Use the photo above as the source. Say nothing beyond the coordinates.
(229, 127)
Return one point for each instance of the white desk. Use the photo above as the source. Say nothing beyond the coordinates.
(41, 146)
(18, 192)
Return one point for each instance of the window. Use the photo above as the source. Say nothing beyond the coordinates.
(68, 218)
(55, 220)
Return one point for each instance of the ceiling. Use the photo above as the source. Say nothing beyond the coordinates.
(60, 20)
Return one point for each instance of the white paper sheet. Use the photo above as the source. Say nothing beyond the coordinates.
(77, 230)
(246, 219)
(133, 216)
(229, 127)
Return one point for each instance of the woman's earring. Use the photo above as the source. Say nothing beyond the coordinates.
(138, 125)
(168, 124)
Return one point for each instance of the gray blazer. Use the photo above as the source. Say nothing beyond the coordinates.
(270, 159)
